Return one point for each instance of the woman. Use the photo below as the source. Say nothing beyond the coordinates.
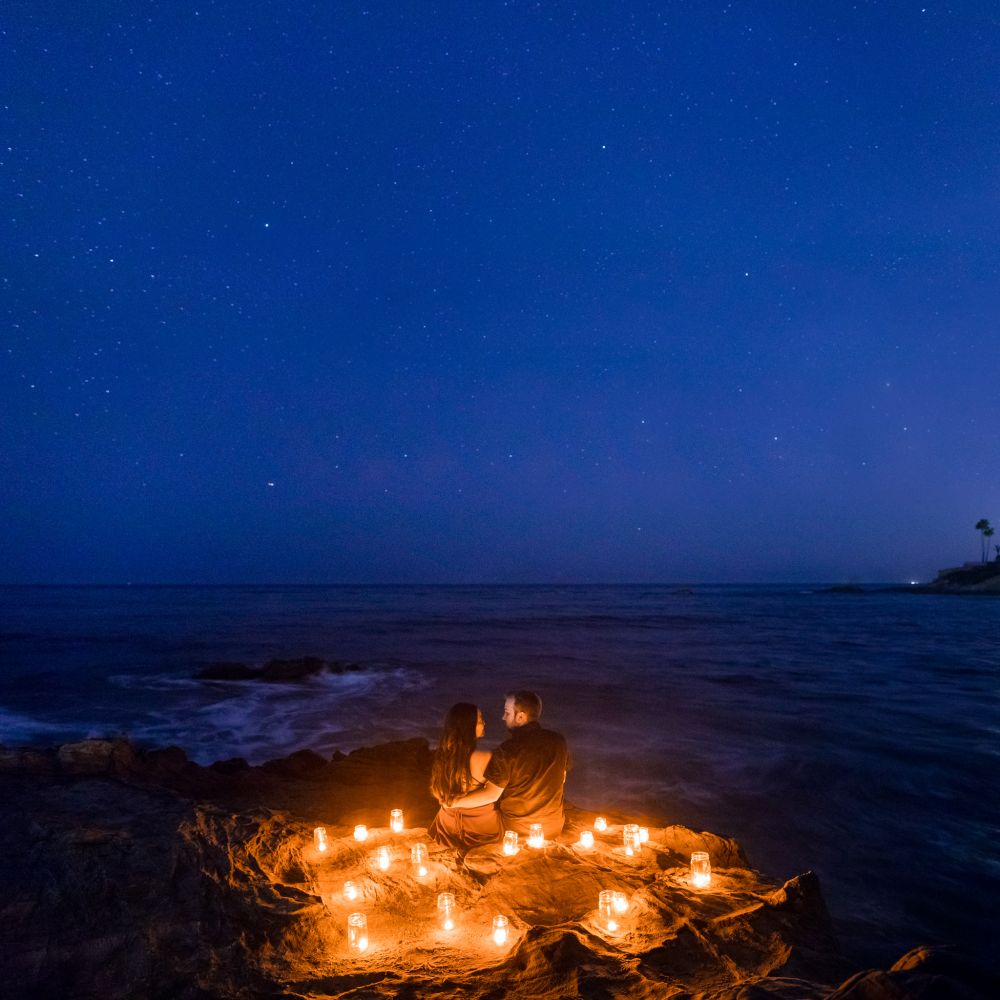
(459, 769)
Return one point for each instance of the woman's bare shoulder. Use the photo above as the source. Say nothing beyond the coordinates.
(478, 760)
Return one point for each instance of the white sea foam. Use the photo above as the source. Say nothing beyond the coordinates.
(17, 728)
(261, 721)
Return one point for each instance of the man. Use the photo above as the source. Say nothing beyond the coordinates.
(527, 772)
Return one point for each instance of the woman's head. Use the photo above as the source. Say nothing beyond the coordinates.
(450, 775)
(463, 724)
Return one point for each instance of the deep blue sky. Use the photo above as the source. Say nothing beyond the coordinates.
(441, 292)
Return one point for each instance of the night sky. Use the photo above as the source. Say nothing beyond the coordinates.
(498, 292)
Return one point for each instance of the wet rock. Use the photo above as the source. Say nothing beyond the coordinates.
(283, 671)
(924, 974)
(276, 671)
(227, 671)
(97, 757)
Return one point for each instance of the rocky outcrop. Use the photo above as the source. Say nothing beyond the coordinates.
(276, 671)
(972, 578)
(130, 873)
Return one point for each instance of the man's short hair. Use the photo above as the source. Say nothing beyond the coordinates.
(527, 702)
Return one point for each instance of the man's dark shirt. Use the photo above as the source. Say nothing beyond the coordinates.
(531, 768)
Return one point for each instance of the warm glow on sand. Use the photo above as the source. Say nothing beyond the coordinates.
(361, 832)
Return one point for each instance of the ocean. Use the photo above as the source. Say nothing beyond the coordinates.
(855, 735)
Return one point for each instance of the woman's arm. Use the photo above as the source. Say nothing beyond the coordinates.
(483, 796)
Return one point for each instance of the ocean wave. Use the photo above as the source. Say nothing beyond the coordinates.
(16, 728)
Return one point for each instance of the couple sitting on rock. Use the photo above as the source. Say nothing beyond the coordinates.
(484, 794)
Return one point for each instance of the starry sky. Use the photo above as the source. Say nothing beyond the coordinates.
(497, 292)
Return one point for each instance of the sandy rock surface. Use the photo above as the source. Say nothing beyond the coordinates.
(130, 874)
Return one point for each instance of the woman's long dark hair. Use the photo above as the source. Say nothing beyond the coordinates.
(450, 774)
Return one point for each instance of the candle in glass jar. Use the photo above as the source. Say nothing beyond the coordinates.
(357, 932)
(606, 910)
(361, 832)
(382, 858)
(510, 847)
(396, 821)
(701, 869)
(630, 837)
(350, 890)
(418, 856)
(643, 834)
(500, 929)
(536, 838)
(620, 902)
(586, 838)
(600, 824)
(446, 910)
(319, 838)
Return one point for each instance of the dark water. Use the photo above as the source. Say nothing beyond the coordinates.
(853, 735)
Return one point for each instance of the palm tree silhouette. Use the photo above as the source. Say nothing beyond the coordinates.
(983, 525)
(987, 534)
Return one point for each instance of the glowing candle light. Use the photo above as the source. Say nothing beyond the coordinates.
(418, 856)
(383, 859)
(361, 832)
(701, 870)
(606, 910)
(600, 824)
(620, 902)
(630, 836)
(357, 932)
(351, 890)
(396, 821)
(446, 910)
(500, 929)
(536, 838)
(510, 847)
(643, 834)
(319, 838)
(586, 838)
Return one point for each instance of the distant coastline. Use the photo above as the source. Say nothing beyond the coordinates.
(975, 578)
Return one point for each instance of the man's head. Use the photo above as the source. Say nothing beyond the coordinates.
(521, 707)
